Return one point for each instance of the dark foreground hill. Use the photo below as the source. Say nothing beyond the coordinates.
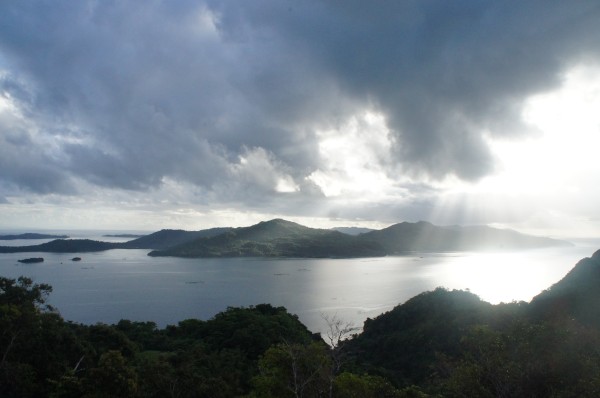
(577, 295)
(467, 347)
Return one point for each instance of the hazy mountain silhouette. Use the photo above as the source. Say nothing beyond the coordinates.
(352, 230)
(426, 237)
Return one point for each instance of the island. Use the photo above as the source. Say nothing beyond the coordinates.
(277, 238)
(31, 260)
(30, 235)
(63, 246)
(281, 238)
(122, 236)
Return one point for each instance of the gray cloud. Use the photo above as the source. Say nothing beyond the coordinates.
(441, 72)
(124, 94)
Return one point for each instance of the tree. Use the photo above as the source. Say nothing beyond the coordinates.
(337, 335)
(294, 370)
(21, 303)
(350, 385)
(113, 377)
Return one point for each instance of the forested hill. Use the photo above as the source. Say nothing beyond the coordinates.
(276, 238)
(454, 344)
(577, 295)
(280, 238)
(438, 344)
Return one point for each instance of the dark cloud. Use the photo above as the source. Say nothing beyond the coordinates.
(442, 72)
(126, 95)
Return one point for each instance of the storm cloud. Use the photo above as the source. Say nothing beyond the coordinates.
(233, 98)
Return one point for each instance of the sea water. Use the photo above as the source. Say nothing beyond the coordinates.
(128, 284)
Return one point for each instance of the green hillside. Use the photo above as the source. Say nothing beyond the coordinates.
(276, 238)
(576, 296)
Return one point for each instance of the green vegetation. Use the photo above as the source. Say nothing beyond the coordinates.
(277, 238)
(438, 344)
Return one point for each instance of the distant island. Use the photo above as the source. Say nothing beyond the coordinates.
(30, 235)
(122, 236)
(281, 238)
(352, 230)
(63, 246)
(32, 260)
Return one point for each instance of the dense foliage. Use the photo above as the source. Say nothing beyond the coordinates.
(438, 344)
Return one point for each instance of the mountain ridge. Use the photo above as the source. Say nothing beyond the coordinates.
(275, 238)
(283, 238)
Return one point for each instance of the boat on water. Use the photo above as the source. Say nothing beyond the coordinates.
(76, 259)
(31, 260)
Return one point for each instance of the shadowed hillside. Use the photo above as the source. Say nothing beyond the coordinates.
(576, 296)
(453, 344)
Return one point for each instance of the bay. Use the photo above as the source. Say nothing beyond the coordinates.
(128, 284)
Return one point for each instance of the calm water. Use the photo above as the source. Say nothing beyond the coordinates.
(127, 284)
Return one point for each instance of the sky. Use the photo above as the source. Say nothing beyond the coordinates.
(132, 115)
